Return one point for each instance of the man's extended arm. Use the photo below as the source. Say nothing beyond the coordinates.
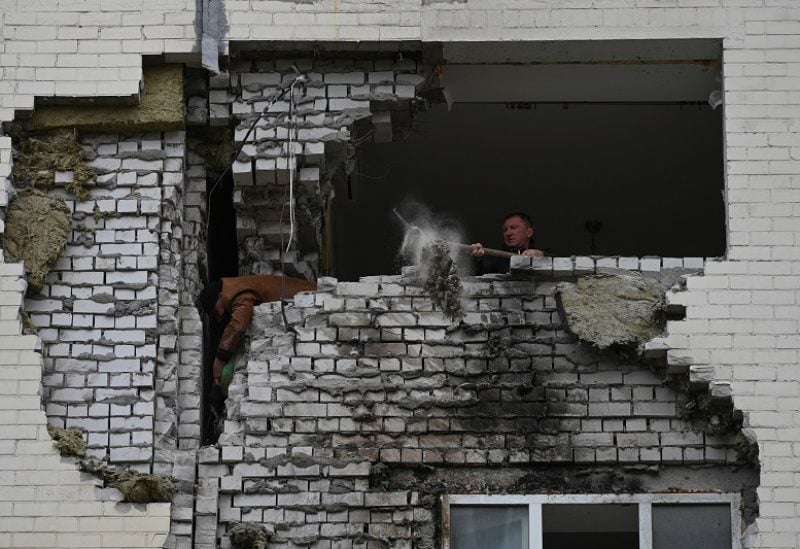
(241, 314)
(477, 250)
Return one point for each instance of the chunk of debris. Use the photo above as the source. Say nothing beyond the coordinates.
(428, 243)
(69, 442)
(747, 446)
(28, 327)
(441, 279)
(141, 487)
(250, 535)
(37, 228)
(160, 108)
(613, 311)
(136, 487)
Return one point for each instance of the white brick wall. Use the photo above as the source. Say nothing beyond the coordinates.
(745, 311)
(93, 356)
(45, 501)
(84, 49)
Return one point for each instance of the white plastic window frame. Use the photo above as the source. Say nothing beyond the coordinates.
(644, 501)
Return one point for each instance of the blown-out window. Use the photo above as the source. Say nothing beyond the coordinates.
(613, 148)
(641, 521)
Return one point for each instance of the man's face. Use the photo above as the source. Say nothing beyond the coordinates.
(516, 233)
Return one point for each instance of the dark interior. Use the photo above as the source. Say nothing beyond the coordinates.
(650, 174)
(223, 261)
(572, 526)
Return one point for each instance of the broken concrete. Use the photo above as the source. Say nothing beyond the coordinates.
(613, 311)
(136, 487)
(142, 488)
(37, 227)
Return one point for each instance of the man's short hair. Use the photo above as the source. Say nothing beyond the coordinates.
(208, 297)
(522, 215)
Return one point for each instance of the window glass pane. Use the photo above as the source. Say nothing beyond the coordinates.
(706, 526)
(489, 526)
(579, 526)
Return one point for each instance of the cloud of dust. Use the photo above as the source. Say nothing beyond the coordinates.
(424, 229)
(428, 243)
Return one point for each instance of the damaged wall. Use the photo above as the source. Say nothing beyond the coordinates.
(183, 417)
(160, 107)
(345, 429)
(110, 317)
(98, 313)
(741, 322)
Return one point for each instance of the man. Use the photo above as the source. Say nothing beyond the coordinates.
(517, 237)
(233, 299)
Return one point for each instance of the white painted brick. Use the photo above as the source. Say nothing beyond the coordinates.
(344, 78)
(344, 104)
(381, 77)
(88, 306)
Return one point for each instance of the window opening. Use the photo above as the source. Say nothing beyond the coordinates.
(607, 179)
(616, 151)
(481, 526)
(568, 526)
(599, 521)
(706, 526)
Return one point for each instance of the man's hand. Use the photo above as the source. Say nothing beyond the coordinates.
(216, 370)
(477, 250)
(533, 253)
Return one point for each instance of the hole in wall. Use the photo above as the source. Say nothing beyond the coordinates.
(648, 176)
(612, 150)
(223, 261)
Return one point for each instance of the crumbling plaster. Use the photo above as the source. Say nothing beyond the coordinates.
(613, 311)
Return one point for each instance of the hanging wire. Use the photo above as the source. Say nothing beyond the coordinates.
(299, 79)
(291, 158)
(291, 138)
(280, 94)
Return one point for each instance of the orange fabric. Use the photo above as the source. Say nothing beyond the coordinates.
(240, 294)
